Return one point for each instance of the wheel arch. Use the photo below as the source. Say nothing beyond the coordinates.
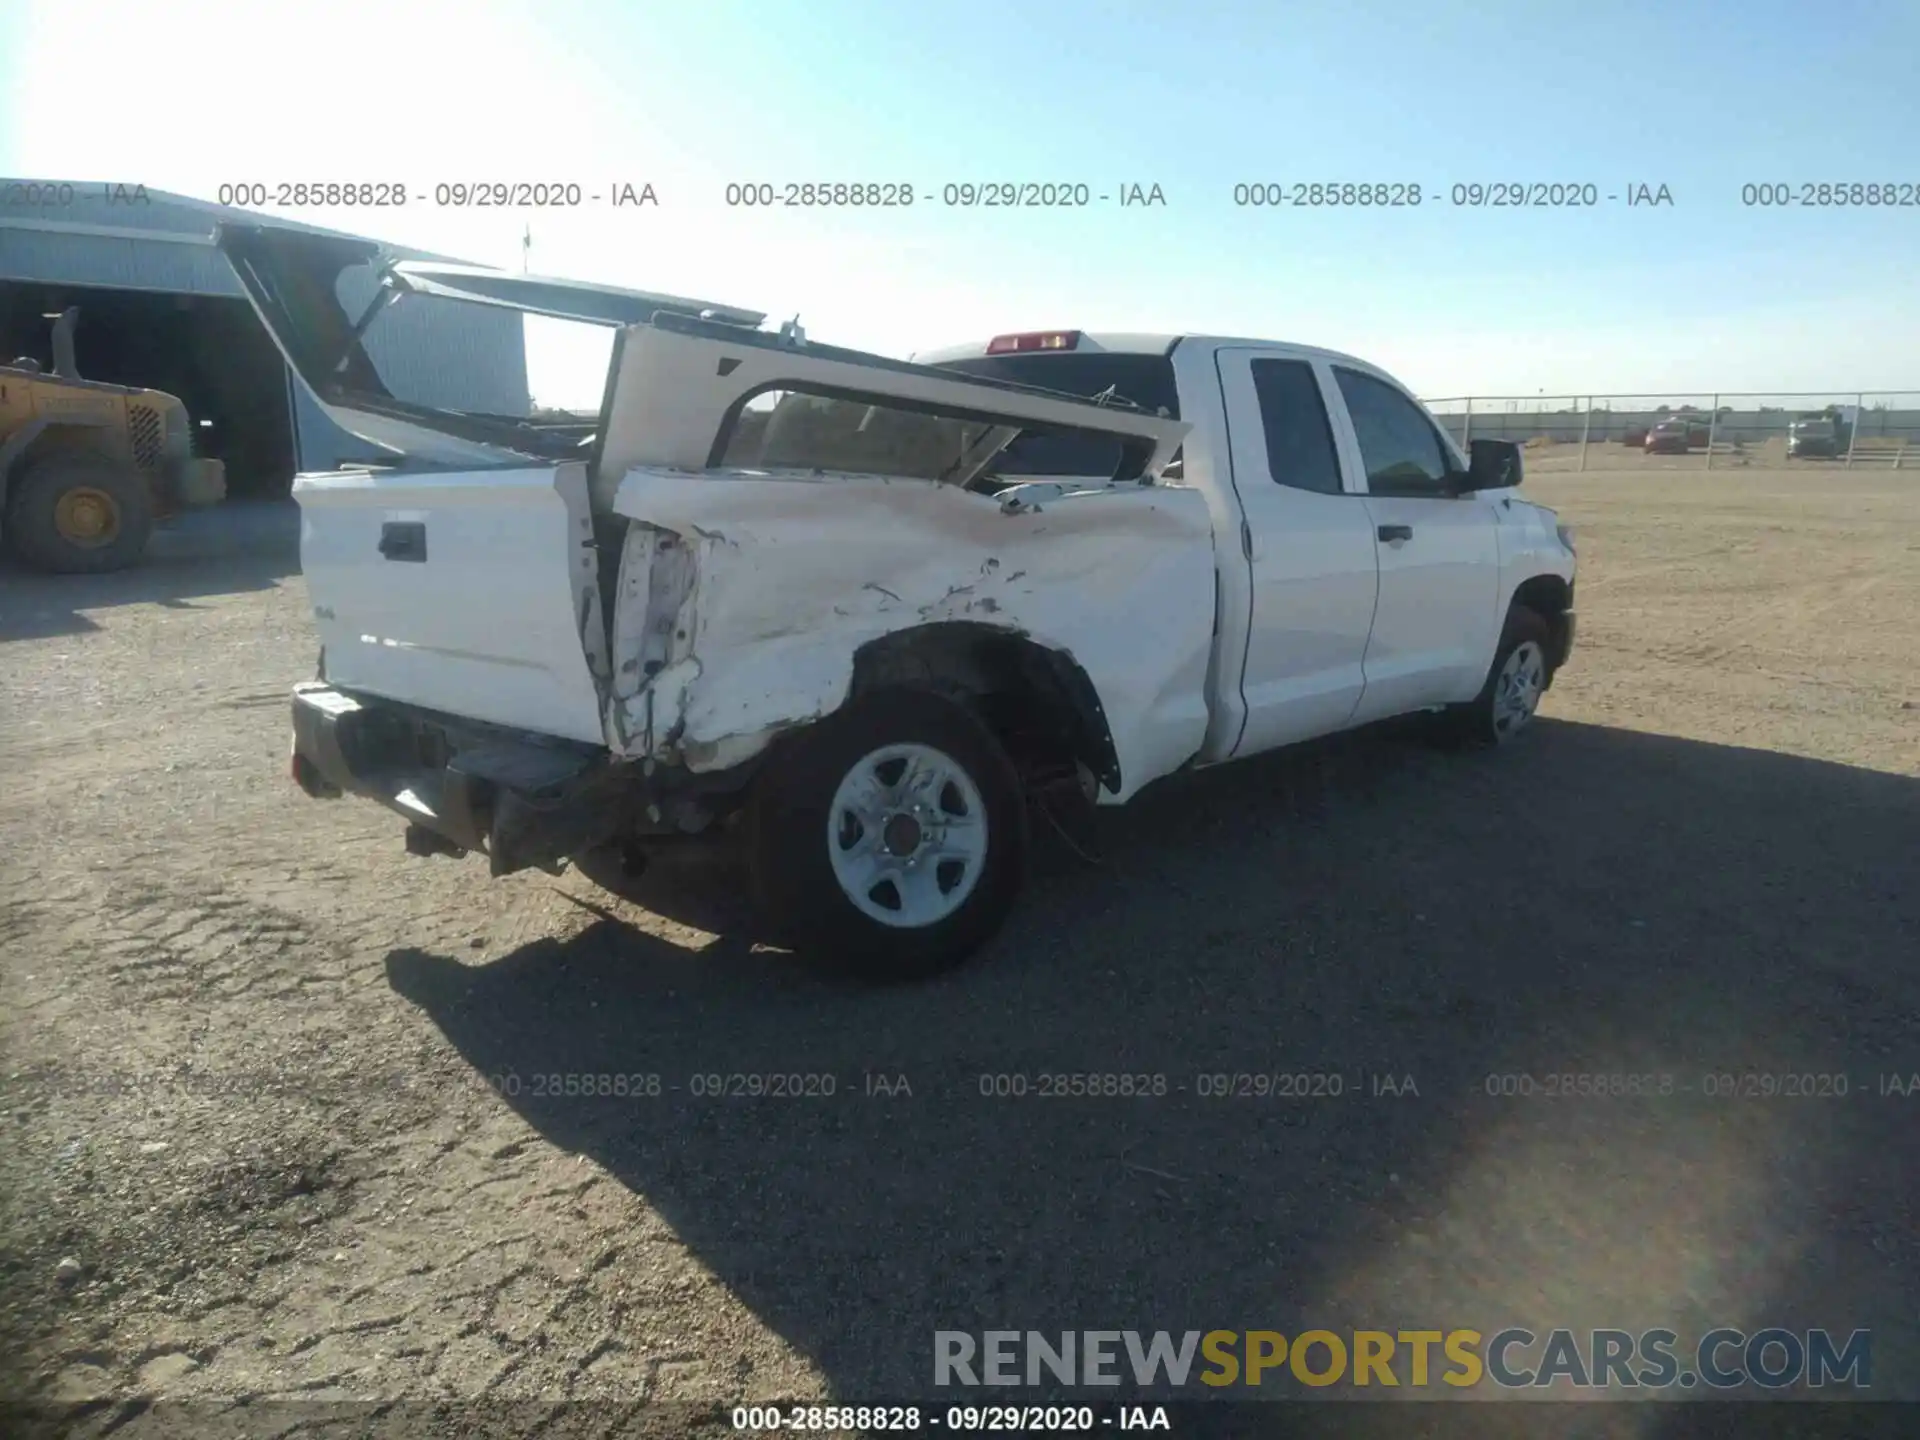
(1550, 597)
(1546, 595)
(1038, 700)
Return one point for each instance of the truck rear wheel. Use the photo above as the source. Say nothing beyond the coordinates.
(1516, 680)
(890, 839)
(77, 514)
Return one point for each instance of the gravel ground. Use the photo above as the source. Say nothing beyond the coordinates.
(288, 1114)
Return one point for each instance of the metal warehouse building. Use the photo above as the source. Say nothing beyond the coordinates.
(161, 308)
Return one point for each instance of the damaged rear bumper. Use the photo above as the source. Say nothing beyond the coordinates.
(524, 802)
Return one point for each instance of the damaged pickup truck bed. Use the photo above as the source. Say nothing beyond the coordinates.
(851, 610)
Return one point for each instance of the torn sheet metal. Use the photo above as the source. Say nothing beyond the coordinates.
(744, 596)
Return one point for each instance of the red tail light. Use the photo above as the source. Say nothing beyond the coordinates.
(1033, 340)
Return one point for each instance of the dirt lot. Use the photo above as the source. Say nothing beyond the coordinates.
(1874, 453)
(281, 1093)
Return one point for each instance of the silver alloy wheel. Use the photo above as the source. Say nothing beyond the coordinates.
(907, 835)
(1518, 688)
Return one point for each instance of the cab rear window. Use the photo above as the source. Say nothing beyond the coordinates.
(1145, 380)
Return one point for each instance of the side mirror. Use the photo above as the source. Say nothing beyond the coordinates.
(1491, 465)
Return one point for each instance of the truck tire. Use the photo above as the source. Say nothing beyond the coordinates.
(78, 515)
(889, 840)
(1505, 707)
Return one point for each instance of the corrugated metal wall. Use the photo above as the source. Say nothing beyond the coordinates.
(120, 207)
(436, 352)
(444, 353)
(124, 263)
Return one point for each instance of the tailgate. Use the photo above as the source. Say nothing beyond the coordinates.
(471, 592)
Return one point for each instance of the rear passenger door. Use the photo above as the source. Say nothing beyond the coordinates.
(1438, 615)
(1310, 547)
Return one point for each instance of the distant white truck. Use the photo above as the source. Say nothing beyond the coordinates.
(853, 609)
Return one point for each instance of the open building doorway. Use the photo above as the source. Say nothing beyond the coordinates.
(209, 350)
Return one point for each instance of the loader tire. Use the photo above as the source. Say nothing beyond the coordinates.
(78, 515)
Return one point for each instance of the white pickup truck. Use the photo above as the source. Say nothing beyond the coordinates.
(851, 610)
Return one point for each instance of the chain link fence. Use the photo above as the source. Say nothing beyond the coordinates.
(1848, 429)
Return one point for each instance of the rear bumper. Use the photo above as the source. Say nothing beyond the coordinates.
(523, 801)
(343, 745)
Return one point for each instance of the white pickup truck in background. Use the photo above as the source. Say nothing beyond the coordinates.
(852, 609)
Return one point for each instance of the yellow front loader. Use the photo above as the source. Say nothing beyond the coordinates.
(86, 467)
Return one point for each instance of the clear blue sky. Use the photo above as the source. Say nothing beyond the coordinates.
(1194, 97)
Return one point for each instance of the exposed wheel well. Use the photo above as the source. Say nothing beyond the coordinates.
(1551, 598)
(1548, 596)
(1038, 701)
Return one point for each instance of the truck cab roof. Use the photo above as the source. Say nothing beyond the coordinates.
(1141, 343)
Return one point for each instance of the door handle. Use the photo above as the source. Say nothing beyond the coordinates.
(1390, 533)
(404, 540)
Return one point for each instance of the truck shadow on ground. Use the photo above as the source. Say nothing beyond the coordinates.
(1372, 912)
(39, 607)
(222, 551)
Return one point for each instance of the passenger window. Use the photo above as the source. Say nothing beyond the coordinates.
(1398, 445)
(1300, 451)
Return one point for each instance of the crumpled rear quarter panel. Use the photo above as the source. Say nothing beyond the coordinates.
(792, 573)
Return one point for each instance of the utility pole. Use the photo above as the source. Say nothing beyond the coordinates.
(526, 248)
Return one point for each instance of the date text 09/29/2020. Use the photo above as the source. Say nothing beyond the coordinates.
(1708, 1085)
(1279, 1086)
(1012, 1419)
(1053, 194)
(996, 1086)
(1476, 194)
(44, 197)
